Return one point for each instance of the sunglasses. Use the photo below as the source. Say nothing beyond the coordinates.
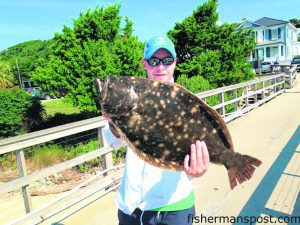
(153, 61)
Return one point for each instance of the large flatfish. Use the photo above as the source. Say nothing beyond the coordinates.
(161, 120)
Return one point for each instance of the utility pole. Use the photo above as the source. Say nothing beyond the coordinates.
(21, 86)
(258, 64)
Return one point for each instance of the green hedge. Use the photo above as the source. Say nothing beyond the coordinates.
(194, 84)
(19, 112)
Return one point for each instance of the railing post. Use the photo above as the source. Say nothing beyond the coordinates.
(283, 79)
(222, 109)
(269, 89)
(255, 89)
(236, 104)
(290, 78)
(263, 90)
(247, 98)
(108, 160)
(22, 172)
(271, 69)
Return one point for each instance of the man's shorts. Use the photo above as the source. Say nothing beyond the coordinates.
(139, 217)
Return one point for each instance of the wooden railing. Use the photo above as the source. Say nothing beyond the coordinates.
(291, 75)
(244, 97)
(289, 70)
(17, 144)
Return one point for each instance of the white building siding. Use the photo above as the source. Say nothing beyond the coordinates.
(276, 42)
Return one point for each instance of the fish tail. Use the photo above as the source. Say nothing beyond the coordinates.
(241, 168)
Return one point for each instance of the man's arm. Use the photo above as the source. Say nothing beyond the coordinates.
(111, 126)
(113, 130)
(111, 134)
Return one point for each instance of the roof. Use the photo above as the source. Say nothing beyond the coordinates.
(265, 21)
(252, 23)
(248, 24)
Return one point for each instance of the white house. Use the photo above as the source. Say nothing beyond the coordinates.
(276, 40)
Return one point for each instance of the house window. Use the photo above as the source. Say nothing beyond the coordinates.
(274, 52)
(294, 36)
(279, 32)
(253, 54)
(268, 34)
(259, 36)
(268, 52)
(260, 54)
(274, 34)
(281, 50)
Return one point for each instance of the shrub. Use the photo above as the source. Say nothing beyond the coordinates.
(118, 156)
(61, 119)
(8, 161)
(13, 105)
(49, 156)
(35, 116)
(194, 84)
(19, 112)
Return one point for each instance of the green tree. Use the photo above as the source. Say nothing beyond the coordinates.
(95, 47)
(29, 55)
(216, 53)
(129, 51)
(6, 75)
(128, 29)
(295, 22)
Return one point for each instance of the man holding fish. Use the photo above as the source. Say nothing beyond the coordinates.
(149, 194)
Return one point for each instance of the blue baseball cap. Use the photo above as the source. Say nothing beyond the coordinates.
(158, 42)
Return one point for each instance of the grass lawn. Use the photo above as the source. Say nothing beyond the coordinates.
(59, 106)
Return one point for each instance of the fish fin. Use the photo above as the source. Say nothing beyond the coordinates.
(157, 162)
(243, 171)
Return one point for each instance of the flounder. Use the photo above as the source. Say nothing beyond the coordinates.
(161, 120)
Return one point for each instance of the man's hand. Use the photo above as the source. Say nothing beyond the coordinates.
(106, 116)
(197, 162)
(111, 126)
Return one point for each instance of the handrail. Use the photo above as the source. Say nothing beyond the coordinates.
(255, 93)
(269, 87)
(292, 75)
(104, 184)
(23, 181)
(42, 136)
(234, 86)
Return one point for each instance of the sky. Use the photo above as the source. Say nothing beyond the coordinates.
(24, 20)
